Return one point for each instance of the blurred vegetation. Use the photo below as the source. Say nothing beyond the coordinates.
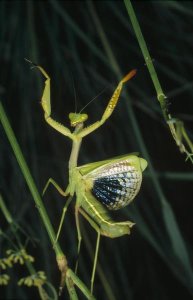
(86, 46)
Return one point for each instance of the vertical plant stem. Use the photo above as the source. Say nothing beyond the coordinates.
(160, 94)
(61, 259)
(71, 289)
(70, 274)
(5, 211)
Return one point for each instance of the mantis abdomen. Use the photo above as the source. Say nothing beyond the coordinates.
(97, 213)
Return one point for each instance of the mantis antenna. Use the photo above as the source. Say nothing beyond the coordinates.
(100, 93)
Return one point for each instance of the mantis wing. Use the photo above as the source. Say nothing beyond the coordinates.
(115, 182)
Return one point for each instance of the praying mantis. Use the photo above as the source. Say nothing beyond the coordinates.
(113, 183)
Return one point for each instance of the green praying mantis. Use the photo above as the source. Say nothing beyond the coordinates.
(113, 183)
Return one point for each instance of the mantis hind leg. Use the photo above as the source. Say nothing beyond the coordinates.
(79, 236)
(97, 229)
(63, 216)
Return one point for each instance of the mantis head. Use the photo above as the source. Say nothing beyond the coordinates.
(76, 119)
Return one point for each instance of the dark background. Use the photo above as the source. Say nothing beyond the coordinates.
(155, 262)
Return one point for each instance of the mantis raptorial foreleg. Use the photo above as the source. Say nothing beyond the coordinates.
(110, 106)
(45, 102)
(46, 105)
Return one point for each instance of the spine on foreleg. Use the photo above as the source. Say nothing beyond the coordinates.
(101, 217)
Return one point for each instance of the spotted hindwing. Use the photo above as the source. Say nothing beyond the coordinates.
(116, 183)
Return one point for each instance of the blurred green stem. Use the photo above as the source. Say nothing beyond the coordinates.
(14, 228)
(178, 135)
(5, 211)
(71, 275)
(60, 257)
(30, 181)
(160, 94)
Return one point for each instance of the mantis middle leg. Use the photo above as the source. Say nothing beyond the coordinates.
(58, 188)
(64, 194)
